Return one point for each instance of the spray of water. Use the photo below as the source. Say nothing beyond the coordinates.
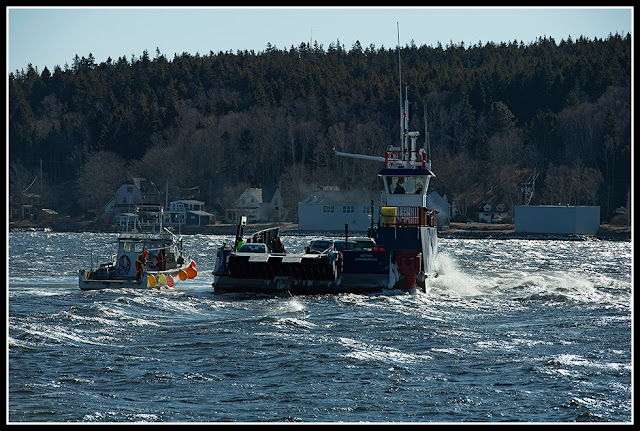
(516, 281)
(451, 280)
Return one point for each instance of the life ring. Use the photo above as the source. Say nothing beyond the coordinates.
(124, 263)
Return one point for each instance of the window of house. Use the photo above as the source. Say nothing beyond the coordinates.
(328, 209)
(347, 209)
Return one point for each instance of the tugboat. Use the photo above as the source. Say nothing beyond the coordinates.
(405, 242)
(166, 264)
(406, 226)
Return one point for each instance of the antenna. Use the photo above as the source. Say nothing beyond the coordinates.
(400, 78)
(426, 136)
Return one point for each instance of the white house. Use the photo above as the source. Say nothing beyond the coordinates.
(330, 210)
(491, 215)
(188, 213)
(440, 204)
(257, 205)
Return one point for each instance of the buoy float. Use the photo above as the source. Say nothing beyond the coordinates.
(170, 282)
(191, 272)
(162, 279)
(182, 275)
(151, 280)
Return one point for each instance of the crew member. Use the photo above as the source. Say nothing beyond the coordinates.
(399, 190)
(160, 261)
(141, 260)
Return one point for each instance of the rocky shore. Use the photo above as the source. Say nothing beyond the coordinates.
(456, 230)
(506, 231)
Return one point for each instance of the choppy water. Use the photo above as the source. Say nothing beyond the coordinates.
(512, 330)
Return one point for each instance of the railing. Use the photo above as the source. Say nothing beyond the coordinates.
(407, 216)
(393, 159)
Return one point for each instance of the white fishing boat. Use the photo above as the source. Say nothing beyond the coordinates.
(166, 264)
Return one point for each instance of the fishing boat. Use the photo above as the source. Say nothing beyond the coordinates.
(166, 263)
(404, 238)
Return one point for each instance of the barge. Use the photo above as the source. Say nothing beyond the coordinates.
(404, 239)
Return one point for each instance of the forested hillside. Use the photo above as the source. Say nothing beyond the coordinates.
(212, 124)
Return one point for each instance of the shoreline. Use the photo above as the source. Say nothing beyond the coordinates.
(456, 230)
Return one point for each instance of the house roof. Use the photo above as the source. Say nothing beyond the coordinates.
(188, 201)
(201, 213)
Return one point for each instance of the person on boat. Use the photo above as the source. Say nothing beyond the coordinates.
(277, 246)
(160, 261)
(399, 190)
(140, 261)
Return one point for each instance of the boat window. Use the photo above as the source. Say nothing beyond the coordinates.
(405, 185)
(341, 245)
(139, 246)
(126, 246)
(253, 248)
(320, 245)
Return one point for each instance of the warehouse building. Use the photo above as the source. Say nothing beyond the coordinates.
(556, 219)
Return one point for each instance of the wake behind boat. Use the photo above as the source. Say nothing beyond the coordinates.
(166, 265)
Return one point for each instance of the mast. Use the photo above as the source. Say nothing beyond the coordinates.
(402, 115)
(407, 155)
(427, 146)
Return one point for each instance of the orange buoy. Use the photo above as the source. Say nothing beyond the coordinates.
(151, 280)
(182, 275)
(191, 272)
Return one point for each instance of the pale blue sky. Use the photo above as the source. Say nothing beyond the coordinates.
(50, 37)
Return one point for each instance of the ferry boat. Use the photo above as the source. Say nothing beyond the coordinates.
(260, 264)
(166, 263)
(405, 242)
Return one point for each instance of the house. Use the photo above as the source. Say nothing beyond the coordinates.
(26, 207)
(491, 215)
(557, 219)
(440, 203)
(187, 213)
(130, 194)
(258, 205)
(330, 210)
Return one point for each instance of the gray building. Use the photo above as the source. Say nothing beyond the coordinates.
(557, 219)
(329, 210)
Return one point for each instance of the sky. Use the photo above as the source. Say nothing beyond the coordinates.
(53, 36)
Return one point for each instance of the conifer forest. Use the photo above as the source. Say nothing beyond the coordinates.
(209, 125)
